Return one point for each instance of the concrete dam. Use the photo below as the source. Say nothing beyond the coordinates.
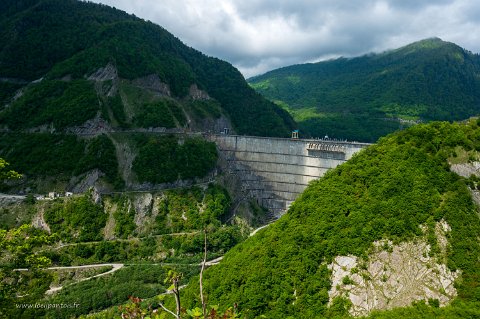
(275, 171)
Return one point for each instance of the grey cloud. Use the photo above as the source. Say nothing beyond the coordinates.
(417, 4)
(259, 35)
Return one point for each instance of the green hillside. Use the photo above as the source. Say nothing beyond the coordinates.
(49, 161)
(68, 41)
(71, 71)
(395, 194)
(164, 233)
(367, 97)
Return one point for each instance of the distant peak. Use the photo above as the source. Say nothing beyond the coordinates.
(432, 39)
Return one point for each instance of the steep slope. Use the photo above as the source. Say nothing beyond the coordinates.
(366, 97)
(391, 227)
(143, 229)
(71, 71)
(72, 40)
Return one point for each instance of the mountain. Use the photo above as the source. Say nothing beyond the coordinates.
(71, 70)
(392, 229)
(59, 40)
(366, 97)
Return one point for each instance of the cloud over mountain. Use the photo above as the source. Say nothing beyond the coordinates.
(260, 35)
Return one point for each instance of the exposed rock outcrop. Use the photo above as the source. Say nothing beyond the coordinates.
(143, 207)
(196, 94)
(394, 275)
(152, 82)
(39, 222)
(466, 169)
(95, 126)
(88, 181)
(109, 72)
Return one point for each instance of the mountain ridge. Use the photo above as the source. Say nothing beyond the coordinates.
(369, 96)
(54, 39)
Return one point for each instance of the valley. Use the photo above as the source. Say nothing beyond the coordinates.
(142, 178)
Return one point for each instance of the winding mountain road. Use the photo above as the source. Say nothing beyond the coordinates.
(117, 266)
(114, 266)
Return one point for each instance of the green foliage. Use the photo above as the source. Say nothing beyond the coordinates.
(205, 108)
(165, 159)
(173, 234)
(428, 80)
(79, 224)
(350, 127)
(192, 209)
(385, 192)
(43, 153)
(6, 174)
(59, 155)
(77, 219)
(124, 219)
(57, 103)
(164, 113)
(62, 39)
(101, 293)
(17, 247)
(7, 91)
(49, 32)
(249, 112)
(116, 105)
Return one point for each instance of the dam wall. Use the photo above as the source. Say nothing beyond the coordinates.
(275, 171)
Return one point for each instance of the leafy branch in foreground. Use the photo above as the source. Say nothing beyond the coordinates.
(134, 310)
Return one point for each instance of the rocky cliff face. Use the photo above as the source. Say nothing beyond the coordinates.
(466, 169)
(395, 275)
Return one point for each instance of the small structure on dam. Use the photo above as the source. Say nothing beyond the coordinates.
(274, 171)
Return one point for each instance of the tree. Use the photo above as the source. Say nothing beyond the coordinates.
(135, 311)
(6, 174)
(174, 278)
(20, 278)
(17, 251)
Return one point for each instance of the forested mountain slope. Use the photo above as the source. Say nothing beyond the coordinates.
(390, 228)
(366, 97)
(70, 40)
(71, 71)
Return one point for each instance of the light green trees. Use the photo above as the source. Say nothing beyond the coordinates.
(17, 253)
(5, 173)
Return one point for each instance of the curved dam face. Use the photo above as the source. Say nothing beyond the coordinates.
(274, 171)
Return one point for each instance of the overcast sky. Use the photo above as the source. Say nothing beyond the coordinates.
(260, 35)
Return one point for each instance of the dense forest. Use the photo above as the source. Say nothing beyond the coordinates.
(62, 42)
(386, 192)
(52, 159)
(366, 97)
(59, 156)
